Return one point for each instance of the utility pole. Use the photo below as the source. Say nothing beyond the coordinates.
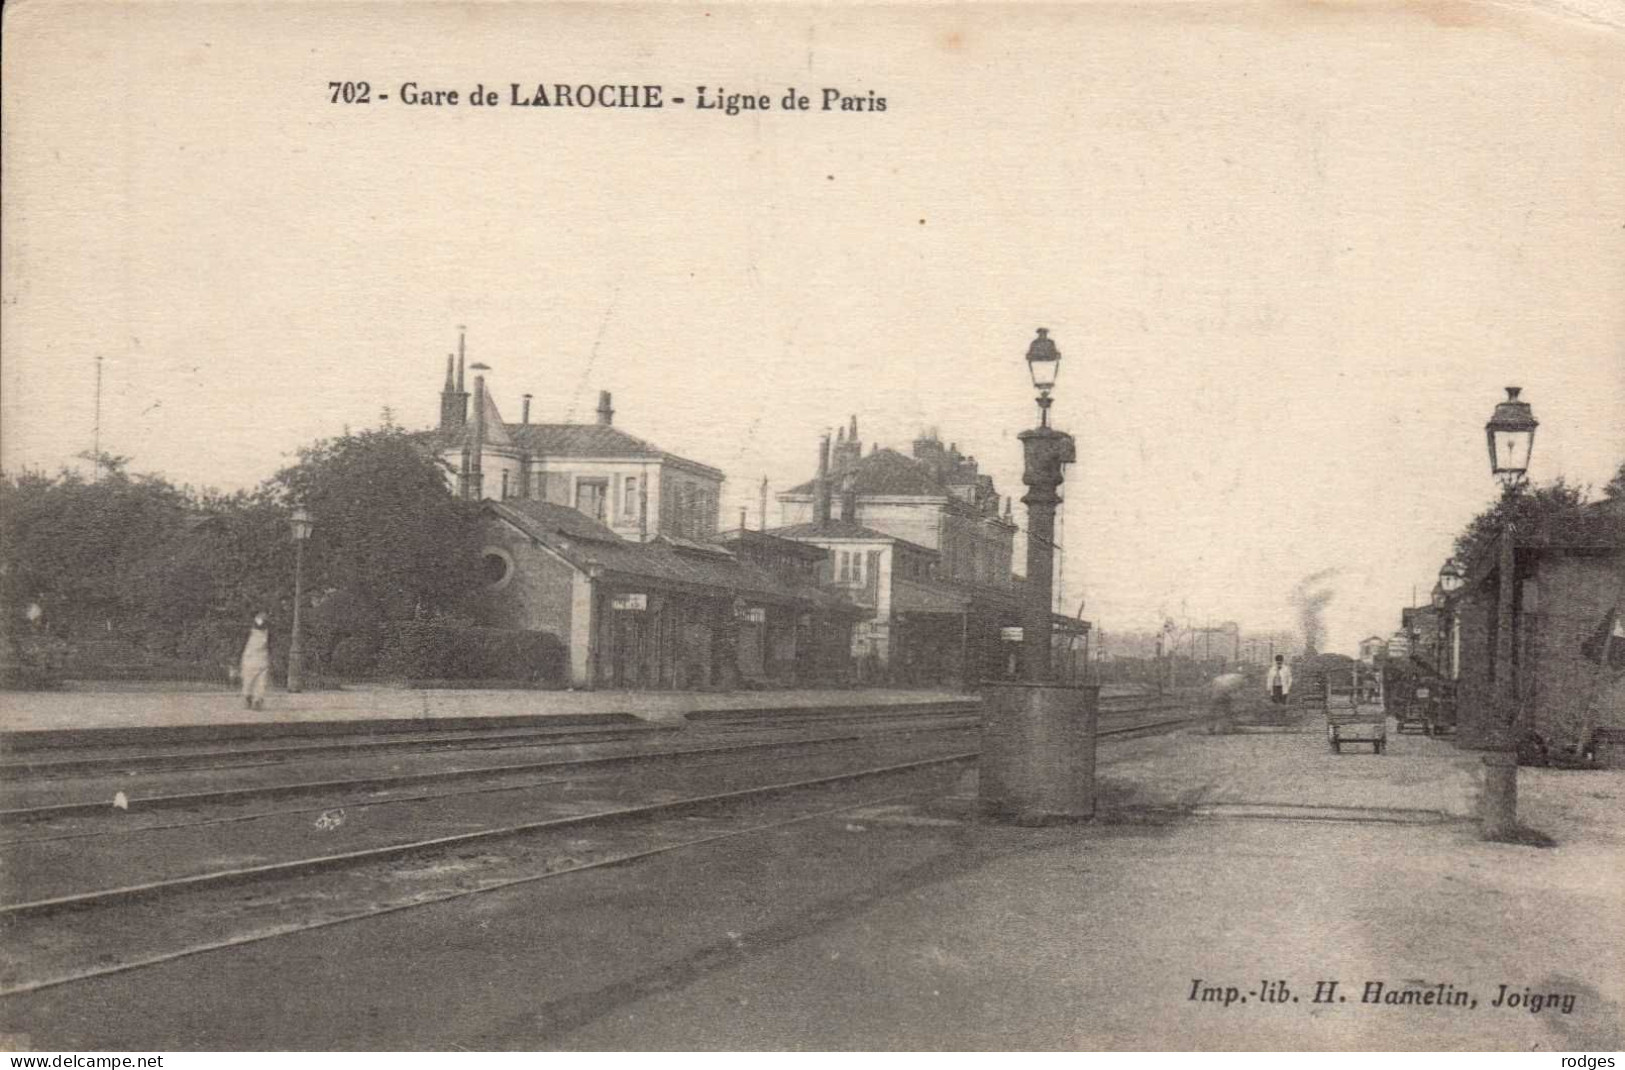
(96, 428)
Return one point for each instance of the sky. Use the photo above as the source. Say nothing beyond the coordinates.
(1291, 254)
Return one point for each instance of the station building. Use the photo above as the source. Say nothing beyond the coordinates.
(612, 545)
(920, 544)
(1568, 579)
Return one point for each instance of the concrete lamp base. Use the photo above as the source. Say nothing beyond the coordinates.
(1038, 753)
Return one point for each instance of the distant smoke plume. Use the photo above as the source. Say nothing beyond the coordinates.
(1309, 598)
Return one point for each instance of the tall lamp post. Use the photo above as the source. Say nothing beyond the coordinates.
(1510, 436)
(1038, 735)
(302, 525)
(1045, 450)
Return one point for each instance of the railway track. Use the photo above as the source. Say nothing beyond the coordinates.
(31, 761)
(94, 799)
(387, 782)
(128, 759)
(63, 937)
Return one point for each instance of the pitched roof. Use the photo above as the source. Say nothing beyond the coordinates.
(558, 440)
(581, 440)
(738, 537)
(841, 529)
(496, 432)
(589, 545)
(550, 518)
(887, 472)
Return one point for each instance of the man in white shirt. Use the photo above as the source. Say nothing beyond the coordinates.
(1279, 681)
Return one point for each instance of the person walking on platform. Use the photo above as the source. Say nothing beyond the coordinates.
(1279, 681)
(256, 667)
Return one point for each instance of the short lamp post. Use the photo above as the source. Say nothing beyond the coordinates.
(302, 526)
(1510, 436)
(1038, 735)
(1451, 579)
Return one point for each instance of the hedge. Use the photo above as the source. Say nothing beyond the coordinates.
(424, 650)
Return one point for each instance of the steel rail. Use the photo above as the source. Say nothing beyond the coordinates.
(226, 795)
(444, 897)
(463, 893)
(194, 799)
(208, 757)
(104, 896)
(410, 848)
(465, 739)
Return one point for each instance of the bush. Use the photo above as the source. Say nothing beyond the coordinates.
(31, 662)
(354, 655)
(425, 650)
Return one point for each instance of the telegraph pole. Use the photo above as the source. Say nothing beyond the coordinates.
(96, 428)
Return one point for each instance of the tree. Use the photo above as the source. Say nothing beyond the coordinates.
(179, 573)
(1615, 489)
(69, 544)
(388, 531)
(1525, 509)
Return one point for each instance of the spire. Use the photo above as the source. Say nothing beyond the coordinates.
(461, 332)
(451, 403)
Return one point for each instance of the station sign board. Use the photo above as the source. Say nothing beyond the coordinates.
(637, 602)
(1010, 635)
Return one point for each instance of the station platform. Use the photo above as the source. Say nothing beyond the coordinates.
(1225, 883)
(31, 716)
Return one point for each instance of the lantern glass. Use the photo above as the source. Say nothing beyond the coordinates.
(1450, 577)
(1510, 436)
(1510, 452)
(1439, 597)
(1044, 361)
(302, 524)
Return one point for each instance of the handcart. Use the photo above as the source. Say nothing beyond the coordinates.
(1347, 721)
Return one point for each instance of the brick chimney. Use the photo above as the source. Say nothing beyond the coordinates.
(849, 496)
(606, 414)
(462, 392)
(476, 475)
(524, 410)
(821, 484)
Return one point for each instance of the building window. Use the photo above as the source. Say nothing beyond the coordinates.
(496, 566)
(504, 484)
(629, 503)
(591, 497)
